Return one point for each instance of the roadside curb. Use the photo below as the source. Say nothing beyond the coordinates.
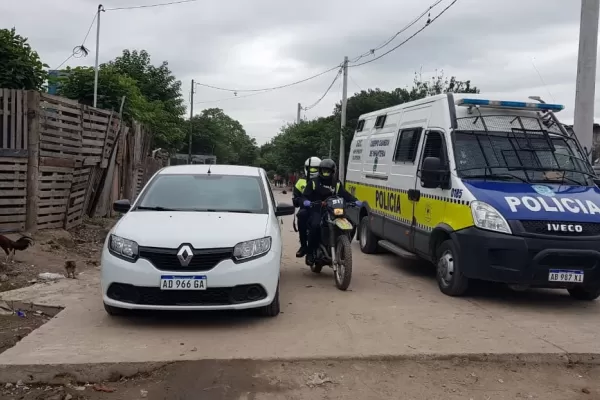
(101, 372)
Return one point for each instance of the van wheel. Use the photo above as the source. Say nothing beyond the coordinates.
(585, 293)
(368, 240)
(449, 275)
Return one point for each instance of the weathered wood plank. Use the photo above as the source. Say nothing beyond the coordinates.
(6, 94)
(51, 110)
(18, 144)
(25, 119)
(12, 218)
(12, 202)
(11, 184)
(12, 210)
(56, 162)
(33, 144)
(13, 118)
(60, 100)
(13, 153)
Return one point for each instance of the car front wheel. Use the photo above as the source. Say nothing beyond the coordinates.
(273, 309)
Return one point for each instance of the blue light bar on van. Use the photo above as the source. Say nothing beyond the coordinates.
(520, 105)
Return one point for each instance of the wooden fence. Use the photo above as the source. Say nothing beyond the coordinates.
(54, 160)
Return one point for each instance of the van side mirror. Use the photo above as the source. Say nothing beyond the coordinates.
(434, 174)
(122, 206)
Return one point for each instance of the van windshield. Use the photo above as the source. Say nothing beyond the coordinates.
(517, 154)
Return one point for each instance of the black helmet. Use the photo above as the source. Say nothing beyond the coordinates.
(327, 168)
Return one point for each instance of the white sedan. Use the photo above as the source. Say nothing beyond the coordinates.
(198, 237)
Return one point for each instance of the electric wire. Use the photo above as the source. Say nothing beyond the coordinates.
(150, 5)
(429, 22)
(313, 105)
(231, 98)
(389, 40)
(80, 51)
(270, 88)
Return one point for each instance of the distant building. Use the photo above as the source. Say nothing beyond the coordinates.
(53, 83)
(179, 159)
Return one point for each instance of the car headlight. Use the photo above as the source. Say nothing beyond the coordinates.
(123, 248)
(487, 217)
(251, 249)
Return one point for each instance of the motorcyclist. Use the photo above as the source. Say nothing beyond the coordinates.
(311, 170)
(319, 189)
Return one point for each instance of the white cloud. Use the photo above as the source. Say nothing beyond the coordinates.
(264, 43)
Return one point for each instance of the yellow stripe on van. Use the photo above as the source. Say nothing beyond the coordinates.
(429, 212)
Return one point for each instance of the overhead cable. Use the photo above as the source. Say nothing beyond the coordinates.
(80, 51)
(326, 91)
(151, 5)
(429, 22)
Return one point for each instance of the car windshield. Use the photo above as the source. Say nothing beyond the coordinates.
(520, 155)
(220, 193)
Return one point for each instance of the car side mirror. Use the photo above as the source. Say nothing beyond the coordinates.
(284, 209)
(122, 206)
(434, 174)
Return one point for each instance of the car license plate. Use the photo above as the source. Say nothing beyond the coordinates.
(562, 275)
(183, 282)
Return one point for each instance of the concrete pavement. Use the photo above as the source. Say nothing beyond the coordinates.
(391, 310)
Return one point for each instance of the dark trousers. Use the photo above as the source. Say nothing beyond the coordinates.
(302, 217)
(314, 227)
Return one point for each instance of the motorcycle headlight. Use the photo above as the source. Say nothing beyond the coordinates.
(487, 217)
(123, 248)
(251, 249)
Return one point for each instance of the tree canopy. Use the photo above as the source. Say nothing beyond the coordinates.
(287, 151)
(21, 65)
(217, 133)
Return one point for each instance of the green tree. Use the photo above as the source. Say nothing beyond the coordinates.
(152, 94)
(214, 132)
(155, 83)
(20, 65)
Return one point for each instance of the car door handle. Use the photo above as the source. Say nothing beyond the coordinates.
(414, 194)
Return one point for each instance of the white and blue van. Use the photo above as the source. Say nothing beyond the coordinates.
(485, 189)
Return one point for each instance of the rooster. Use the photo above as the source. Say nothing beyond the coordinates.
(10, 246)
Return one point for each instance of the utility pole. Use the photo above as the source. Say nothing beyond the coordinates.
(191, 123)
(298, 113)
(330, 144)
(100, 9)
(342, 161)
(586, 75)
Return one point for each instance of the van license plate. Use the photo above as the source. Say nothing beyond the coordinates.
(562, 275)
(183, 282)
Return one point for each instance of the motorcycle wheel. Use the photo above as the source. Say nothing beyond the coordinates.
(343, 273)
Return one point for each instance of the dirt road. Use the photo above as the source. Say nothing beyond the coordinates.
(364, 380)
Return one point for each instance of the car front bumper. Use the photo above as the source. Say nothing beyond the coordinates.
(136, 285)
(522, 260)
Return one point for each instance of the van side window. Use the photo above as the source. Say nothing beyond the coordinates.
(360, 126)
(407, 144)
(434, 146)
(380, 121)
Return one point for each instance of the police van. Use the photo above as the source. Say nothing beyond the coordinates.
(485, 189)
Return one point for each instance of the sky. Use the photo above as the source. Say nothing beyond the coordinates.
(505, 47)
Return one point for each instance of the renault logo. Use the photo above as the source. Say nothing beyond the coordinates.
(185, 255)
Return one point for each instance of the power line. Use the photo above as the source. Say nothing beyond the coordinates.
(429, 22)
(326, 91)
(270, 88)
(231, 98)
(151, 5)
(80, 51)
(389, 40)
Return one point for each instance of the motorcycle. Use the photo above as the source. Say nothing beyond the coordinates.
(334, 249)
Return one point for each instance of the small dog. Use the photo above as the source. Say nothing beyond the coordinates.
(70, 267)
